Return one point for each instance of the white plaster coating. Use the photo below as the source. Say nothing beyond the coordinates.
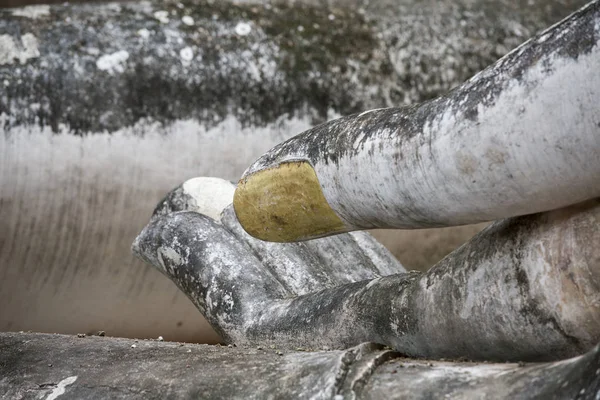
(573, 284)
(495, 289)
(114, 62)
(60, 389)
(32, 12)
(144, 33)
(212, 195)
(463, 176)
(187, 55)
(442, 370)
(12, 49)
(186, 19)
(476, 280)
(171, 254)
(162, 16)
(369, 111)
(190, 147)
(242, 29)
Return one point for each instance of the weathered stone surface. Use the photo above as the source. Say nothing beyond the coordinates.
(524, 288)
(36, 366)
(112, 65)
(300, 268)
(102, 113)
(521, 136)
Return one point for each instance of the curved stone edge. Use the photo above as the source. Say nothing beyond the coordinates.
(522, 289)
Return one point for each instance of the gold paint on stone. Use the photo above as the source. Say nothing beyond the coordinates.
(285, 204)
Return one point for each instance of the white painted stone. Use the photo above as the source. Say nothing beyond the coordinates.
(187, 55)
(60, 389)
(242, 29)
(212, 195)
(186, 19)
(114, 62)
(162, 16)
(144, 33)
(12, 49)
(32, 12)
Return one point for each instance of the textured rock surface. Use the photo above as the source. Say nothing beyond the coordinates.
(106, 107)
(519, 137)
(300, 268)
(523, 289)
(257, 62)
(38, 366)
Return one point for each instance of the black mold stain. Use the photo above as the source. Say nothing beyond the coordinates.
(324, 58)
(310, 55)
